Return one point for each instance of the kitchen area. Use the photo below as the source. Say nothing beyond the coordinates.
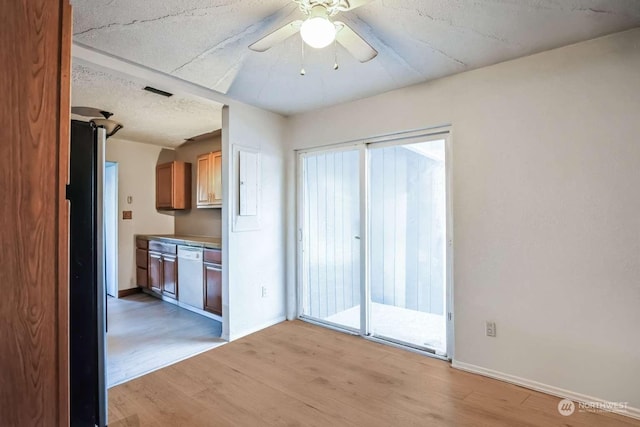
(172, 308)
(182, 270)
(166, 300)
(185, 268)
(163, 256)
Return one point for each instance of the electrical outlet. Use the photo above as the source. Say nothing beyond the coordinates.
(264, 291)
(490, 328)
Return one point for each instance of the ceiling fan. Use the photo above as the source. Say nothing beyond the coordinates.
(319, 30)
(111, 126)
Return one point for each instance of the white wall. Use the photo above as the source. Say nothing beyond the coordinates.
(253, 258)
(203, 221)
(136, 178)
(546, 168)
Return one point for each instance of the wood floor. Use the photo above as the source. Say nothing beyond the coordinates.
(298, 374)
(146, 333)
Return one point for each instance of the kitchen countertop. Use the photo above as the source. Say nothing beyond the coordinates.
(199, 241)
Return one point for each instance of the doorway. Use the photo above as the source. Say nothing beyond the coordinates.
(373, 239)
(111, 228)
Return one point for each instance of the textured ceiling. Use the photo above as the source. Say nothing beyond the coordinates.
(205, 42)
(146, 117)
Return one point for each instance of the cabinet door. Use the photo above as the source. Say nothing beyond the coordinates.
(141, 258)
(141, 277)
(169, 276)
(155, 271)
(216, 175)
(203, 187)
(164, 186)
(213, 288)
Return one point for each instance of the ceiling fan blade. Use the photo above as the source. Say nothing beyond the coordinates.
(352, 4)
(356, 45)
(87, 111)
(277, 36)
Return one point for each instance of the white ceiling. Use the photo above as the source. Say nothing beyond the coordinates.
(205, 42)
(146, 117)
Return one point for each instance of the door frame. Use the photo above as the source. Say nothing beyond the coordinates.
(394, 139)
(114, 225)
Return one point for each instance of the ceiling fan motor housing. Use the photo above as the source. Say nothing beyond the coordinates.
(319, 10)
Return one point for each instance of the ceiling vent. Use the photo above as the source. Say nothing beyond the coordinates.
(157, 91)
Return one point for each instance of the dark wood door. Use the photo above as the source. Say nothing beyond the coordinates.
(35, 56)
(155, 271)
(169, 275)
(213, 288)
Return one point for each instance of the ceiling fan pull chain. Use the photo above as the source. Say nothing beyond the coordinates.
(335, 55)
(302, 71)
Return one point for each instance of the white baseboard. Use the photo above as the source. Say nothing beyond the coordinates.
(544, 388)
(260, 327)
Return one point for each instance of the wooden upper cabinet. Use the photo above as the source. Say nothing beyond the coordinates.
(173, 186)
(203, 187)
(216, 175)
(209, 176)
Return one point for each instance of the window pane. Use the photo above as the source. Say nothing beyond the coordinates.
(331, 251)
(407, 243)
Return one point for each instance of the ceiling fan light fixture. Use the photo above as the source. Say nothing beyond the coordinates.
(110, 126)
(318, 31)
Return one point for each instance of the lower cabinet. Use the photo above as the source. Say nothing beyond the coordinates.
(142, 277)
(213, 281)
(159, 272)
(213, 288)
(155, 271)
(170, 275)
(163, 269)
(142, 263)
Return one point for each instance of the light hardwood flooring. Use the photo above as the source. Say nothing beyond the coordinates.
(146, 333)
(298, 374)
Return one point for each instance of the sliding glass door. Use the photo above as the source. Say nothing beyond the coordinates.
(331, 257)
(373, 240)
(407, 204)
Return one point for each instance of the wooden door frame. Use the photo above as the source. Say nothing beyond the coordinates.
(35, 58)
(64, 123)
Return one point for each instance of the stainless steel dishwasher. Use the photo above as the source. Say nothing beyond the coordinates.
(190, 276)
